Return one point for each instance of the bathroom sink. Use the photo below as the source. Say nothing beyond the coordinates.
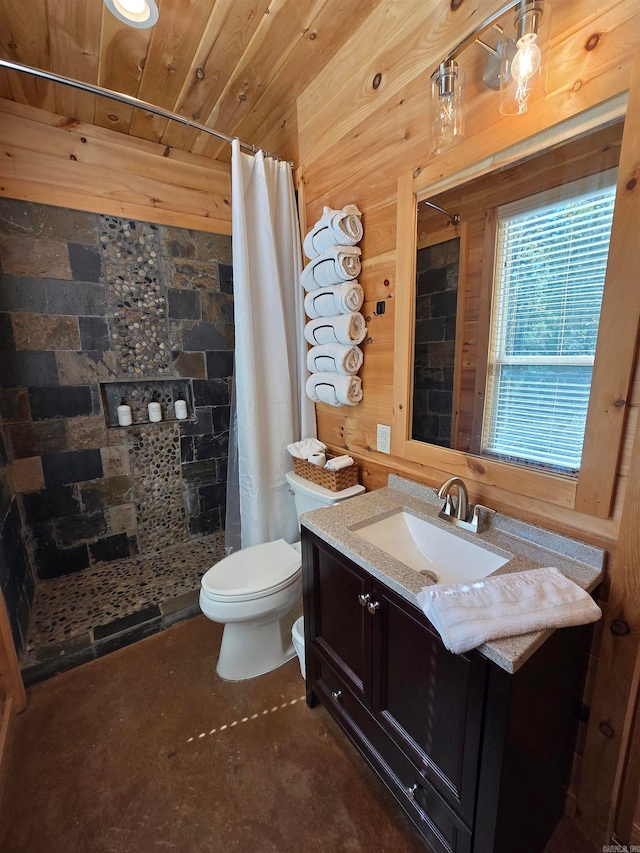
(431, 551)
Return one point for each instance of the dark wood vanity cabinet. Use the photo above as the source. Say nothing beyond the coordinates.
(479, 759)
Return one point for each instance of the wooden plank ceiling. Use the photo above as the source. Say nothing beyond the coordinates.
(236, 65)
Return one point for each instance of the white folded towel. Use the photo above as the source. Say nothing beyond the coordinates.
(335, 265)
(318, 459)
(334, 389)
(337, 299)
(334, 228)
(339, 462)
(468, 614)
(335, 358)
(343, 329)
(306, 448)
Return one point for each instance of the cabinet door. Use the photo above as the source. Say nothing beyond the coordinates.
(340, 625)
(428, 700)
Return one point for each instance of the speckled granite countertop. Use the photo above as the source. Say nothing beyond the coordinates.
(531, 547)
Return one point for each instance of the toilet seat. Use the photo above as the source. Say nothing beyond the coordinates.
(252, 572)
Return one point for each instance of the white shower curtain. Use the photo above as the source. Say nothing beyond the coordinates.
(271, 408)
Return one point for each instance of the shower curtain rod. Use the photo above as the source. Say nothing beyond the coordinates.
(454, 217)
(130, 101)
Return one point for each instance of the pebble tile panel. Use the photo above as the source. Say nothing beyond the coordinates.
(66, 607)
(136, 296)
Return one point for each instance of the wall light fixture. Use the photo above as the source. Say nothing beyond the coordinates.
(141, 14)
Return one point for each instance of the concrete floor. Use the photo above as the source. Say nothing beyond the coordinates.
(147, 749)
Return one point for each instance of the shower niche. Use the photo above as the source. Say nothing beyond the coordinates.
(140, 393)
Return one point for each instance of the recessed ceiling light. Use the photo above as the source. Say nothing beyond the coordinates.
(136, 13)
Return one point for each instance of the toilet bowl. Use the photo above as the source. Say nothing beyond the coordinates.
(256, 593)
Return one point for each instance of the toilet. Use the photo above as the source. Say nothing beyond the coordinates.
(256, 593)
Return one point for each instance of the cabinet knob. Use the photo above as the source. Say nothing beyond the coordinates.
(337, 695)
(363, 598)
(411, 791)
(372, 606)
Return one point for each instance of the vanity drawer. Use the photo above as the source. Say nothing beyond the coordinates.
(432, 816)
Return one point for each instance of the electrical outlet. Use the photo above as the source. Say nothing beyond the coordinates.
(384, 438)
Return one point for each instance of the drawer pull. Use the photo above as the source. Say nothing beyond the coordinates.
(372, 606)
(363, 598)
(411, 791)
(337, 695)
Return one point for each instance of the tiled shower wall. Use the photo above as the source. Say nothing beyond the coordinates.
(86, 299)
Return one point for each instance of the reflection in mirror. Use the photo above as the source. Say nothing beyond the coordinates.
(507, 305)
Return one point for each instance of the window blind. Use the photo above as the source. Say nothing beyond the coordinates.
(550, 266)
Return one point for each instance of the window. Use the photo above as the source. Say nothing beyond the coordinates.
(551, 258)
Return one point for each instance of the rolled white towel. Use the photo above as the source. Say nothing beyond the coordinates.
(343, 329)
(335, 265)
(335, 227)
(335, 358)
(339, 462)
(305, 448)
(318, 459)
(337, 299)
(468, 614)
(334, 389)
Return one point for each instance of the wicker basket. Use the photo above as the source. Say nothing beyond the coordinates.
(335, 481)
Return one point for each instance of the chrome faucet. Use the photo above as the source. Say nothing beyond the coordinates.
(463, 498)
(459, 513)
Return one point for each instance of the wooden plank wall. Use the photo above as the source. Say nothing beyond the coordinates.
(356, 140)
(49, 159)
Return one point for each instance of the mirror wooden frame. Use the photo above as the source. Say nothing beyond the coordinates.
(592, 492)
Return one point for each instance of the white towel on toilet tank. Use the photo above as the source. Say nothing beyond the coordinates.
(343, 329)
(468, 614)
(335, 358)
(334, 389)
(335, 265)
(337, 299)
(334, 228)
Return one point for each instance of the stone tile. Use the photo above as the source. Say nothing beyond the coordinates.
(122, 519)
(219, 365)
(15, 217)
(54, 562)
(225, 274)
(75, 297)
(14, 405)
(194, 275)
(184, 304)
(220, 416)
(27, 474)
(64, 402)
(213, 497)
(211, 392)
(126, 622)
(21, 293)
(202, 337)
(55, 502)
(230, 336)
(61, 223)
(213, 247)
(217, 307)
(72, 530)
(110, 548)
(37, 438)
(94, 333)
(23, 255)
(126, 638)
(202, 424)
(175, 335)
(27, 368)
(102, 493)
(86, 264)
(85, 433)
(189, 364)
(45, 332)
(77, 368)
(186, 448)
(7, 343)
(210, 447)
(76, 466)
(115, 460)
(180, 601)
(177, 242)
(196, 474)
(206, 523)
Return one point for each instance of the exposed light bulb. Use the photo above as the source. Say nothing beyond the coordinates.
(134, 7)
(135, 13)
(524, 66)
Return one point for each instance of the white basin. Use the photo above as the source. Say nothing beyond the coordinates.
(430, 550)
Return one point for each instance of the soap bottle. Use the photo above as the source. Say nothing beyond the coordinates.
(124, 414)
(155, 412)
(180, 408)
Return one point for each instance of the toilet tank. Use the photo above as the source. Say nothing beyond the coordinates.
(309, 496)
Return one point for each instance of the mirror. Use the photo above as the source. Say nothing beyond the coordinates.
(506, 304)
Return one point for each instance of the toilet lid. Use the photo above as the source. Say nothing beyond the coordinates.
(252, 570)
